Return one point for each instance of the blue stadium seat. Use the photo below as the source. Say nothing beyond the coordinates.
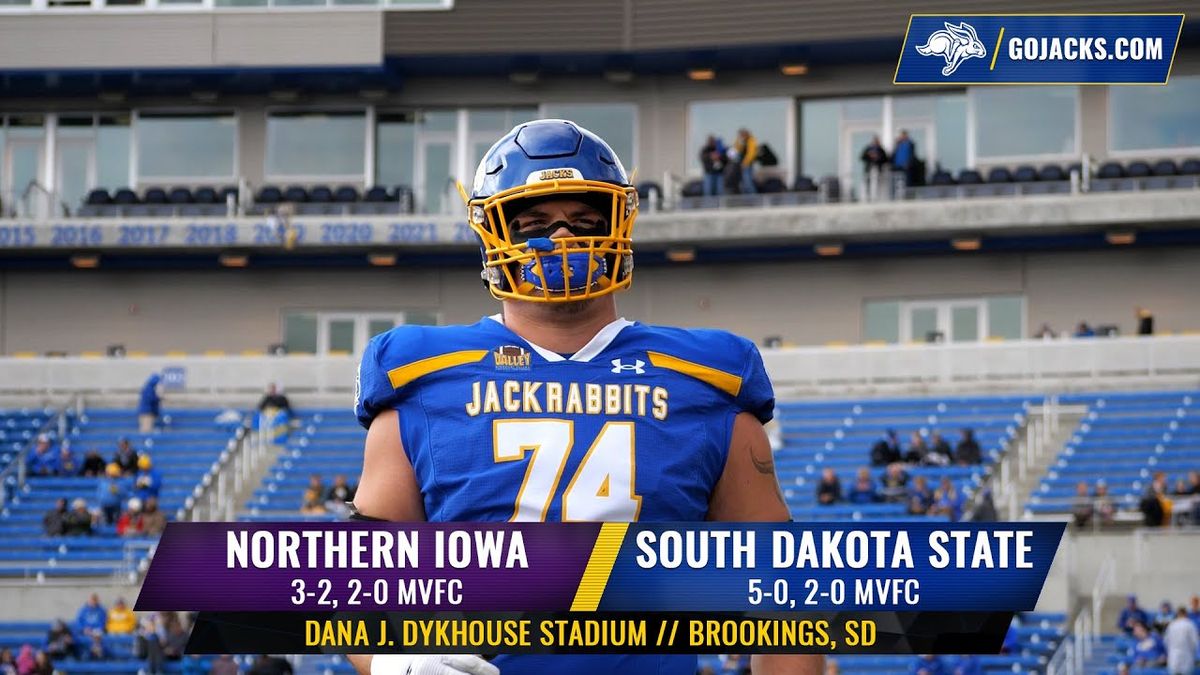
(1164, 167)
(941, 178)
(804, 184)
(1190, 167)
(180, 195)
(205, 195)
(693, 188)
(229, 191)
(1025, 174)
(320, 194)
(1110, 170)
(772, 185)
(125, 196)
(999, 174)
(155, 195)
(377, 194)
(296, 194)
(969, 177)
(99, 196)
(1137, 170)
(1052, 172)
(346, 194)
(269, 194)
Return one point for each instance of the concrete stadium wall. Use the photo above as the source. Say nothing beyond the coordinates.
(804, 302)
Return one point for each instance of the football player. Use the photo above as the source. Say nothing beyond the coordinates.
(555, 408)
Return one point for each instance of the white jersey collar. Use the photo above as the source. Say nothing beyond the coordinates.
(591, 350)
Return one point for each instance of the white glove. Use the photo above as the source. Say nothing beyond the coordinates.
(431, 664)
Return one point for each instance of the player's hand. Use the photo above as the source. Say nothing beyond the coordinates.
(431, 664)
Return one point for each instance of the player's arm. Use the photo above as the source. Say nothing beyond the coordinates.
(388, 489)
(749, 491)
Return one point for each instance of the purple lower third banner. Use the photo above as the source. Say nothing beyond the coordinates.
(592, 587)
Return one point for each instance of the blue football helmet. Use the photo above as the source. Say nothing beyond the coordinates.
(542, 161)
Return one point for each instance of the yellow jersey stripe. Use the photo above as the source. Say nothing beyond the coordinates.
(599, 567)
(726, 382)
(409, 372)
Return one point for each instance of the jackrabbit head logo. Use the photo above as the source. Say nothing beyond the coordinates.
(955, 44)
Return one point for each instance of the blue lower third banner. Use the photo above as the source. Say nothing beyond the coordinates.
(1039, 49)
(588, 587)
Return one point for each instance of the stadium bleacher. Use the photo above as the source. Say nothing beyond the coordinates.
(182, 452)
(1123, 439)
(839, 435)
(327, 442)
(209, 201)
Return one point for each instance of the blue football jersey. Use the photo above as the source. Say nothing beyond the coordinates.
(634, 426)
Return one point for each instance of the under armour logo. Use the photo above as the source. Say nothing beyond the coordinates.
(638, 366)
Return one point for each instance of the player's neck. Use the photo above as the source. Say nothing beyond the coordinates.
(560, 328)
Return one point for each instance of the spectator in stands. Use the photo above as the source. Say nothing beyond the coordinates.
(1194, 612)
(920, 497)
(895, 483)
(312, 505)
(92, 617)
(126, 457)
(1163, 617)
(42, 460)
(224, 665)
(148, 643)
(270, 665)
(1154, 504)
(154, 521)
(939, 450)
(1193, 482)
(55, 520)
(340, 492)
(874, 158)
(947, 501)
(916, 449)
(147, 482)
(175, 635)
(68, 463)
(59, 641)
(1131, 614)
(1083, 508)
(111, 493)
(8, 663)
(130, 523)
(274, 398)
(1148, 650)
(1182, 489)
(712, 159)
(886, 450)
(1104, 509)
(121, 620)
(967, 664)
(829, 489)
(863, 491)
(93, 464)
(832, 667)
(26, 661)
(985, 508)
(1083, 330)
(95, 651)
(1182, 640)
(926, 664)
(1145, 321)
(42, 665)
(316, 483)
(904, 157)
(747, 149)
(968, 452)
(79, 521)
(149, 404)
(1045, 333)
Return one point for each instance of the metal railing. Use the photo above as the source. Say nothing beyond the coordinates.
(215, 498)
